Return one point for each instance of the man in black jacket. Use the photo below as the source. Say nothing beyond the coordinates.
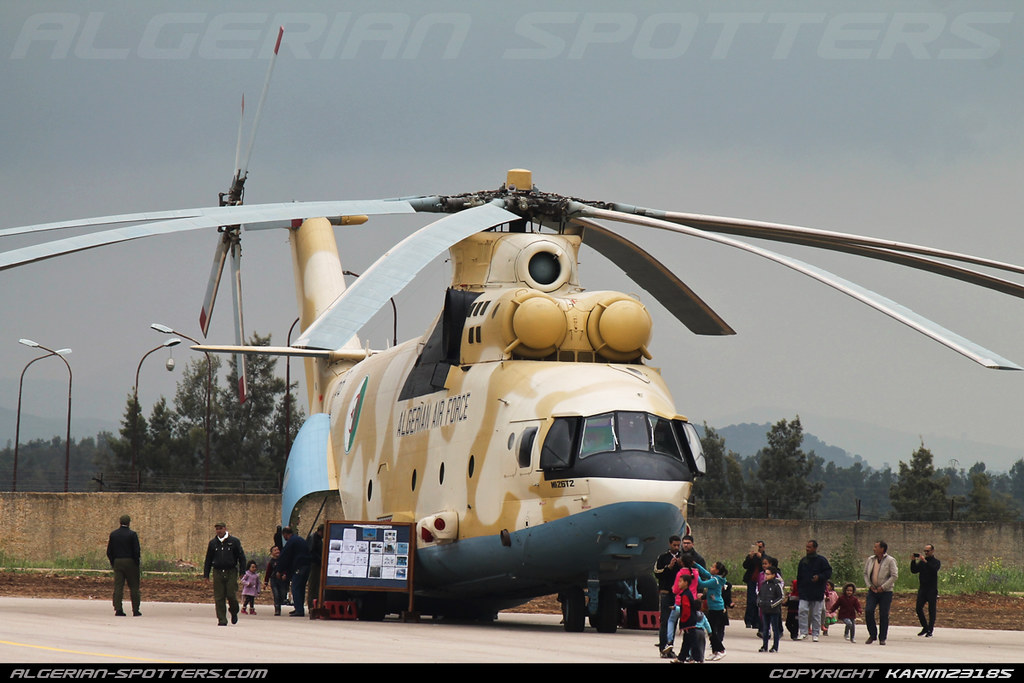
(225, 559)
(751, 570)
(927, 569)
(812, 572)
(123, 553)
(665, 569)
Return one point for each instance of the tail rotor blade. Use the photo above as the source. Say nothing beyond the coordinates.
(219, 256)
(244, 168)
(236, 283)
(238, 144)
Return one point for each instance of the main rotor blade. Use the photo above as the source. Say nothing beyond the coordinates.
(823, 239)
(254, 216)
(973, 277)
(393, 271)
(656, 278)
(236, 290)
(894, 310)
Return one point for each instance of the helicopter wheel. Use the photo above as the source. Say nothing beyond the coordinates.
(574, 610)
(607, 618)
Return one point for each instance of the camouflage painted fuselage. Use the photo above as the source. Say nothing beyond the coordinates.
(480, 432)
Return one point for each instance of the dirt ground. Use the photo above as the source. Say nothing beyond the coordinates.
(980, 610)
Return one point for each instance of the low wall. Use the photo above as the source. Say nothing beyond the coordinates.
(972, 543)
(40, 527)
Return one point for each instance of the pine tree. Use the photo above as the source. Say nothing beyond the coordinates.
(986, 505)
(721, 492)
(919, 493)
(783, 480)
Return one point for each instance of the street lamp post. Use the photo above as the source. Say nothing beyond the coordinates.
(17, 424)
(136, 410)
(67, 437)
(209, 383)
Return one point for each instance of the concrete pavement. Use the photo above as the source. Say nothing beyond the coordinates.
(86, 631)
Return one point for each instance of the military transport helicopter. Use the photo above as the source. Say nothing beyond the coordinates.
(524, 433)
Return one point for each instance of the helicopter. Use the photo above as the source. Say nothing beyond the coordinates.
(524, 433)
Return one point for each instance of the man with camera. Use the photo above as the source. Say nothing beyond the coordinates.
(665, 569)
(927, 570)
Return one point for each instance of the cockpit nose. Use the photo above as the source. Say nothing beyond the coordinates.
(622, 444)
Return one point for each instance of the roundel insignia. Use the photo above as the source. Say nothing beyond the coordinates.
(355, 407)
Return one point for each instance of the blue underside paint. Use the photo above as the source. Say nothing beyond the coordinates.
(610, 543)
(306, 471)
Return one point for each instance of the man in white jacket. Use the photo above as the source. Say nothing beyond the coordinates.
(880, 572)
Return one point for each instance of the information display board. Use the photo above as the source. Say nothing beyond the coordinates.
(368, 556)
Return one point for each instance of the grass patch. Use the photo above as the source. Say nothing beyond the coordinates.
(992, 576)
(97, 561)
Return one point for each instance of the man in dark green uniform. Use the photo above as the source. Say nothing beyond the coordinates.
(123, 553)
(225, 559)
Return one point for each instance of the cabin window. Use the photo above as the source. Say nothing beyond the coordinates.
(472, 466)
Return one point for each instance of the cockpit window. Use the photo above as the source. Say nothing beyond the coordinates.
(559, 444)
(664, 437)
(629, 444)
(611, 432)
(634, 431)
(695, 447)
(598, 435)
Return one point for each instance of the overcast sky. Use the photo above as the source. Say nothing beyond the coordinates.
(847, 116)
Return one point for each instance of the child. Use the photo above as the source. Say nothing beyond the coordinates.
(847, 609)
(713, 582)
(793, 612)
(769, 601)
(700, 637)
(829, 608)
(685, 614)
(250, 588)
(766, 562)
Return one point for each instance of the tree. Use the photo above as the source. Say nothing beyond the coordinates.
(986, 505)
(919, 494)
(783, 479)
(116, 463)
(250, 446)
(721, 492)
(168, 464)
(1016, 481)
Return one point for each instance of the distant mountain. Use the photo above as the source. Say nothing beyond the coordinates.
(35, 427)
(748, 438)
(872, 445)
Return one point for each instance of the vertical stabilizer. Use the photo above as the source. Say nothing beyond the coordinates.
(319, 280)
